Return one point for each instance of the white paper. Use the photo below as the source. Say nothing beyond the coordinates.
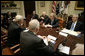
(63, 34)
(45, 41)
(70, 32)
(60, 46)
(52, 41)
(52, 37)
(65, 49)
(47, 25)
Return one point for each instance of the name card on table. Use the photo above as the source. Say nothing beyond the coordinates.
(70, 32)
(63, 34)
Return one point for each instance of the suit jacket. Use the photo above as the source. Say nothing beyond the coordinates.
(30, 44)
(78, 27)
(35, 16)
(45, 18)
(14, 34)
(55, 22)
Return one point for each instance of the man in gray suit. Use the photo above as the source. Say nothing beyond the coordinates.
(30, 44)
(14, 31)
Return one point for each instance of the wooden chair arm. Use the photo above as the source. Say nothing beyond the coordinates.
(17, 50)
(14, 46)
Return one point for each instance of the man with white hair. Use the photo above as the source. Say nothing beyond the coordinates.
(14, 30)
(75, 25)
(30, 44)
(54, 22)
(43, 17)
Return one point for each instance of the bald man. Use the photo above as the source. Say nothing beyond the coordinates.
(52, 21)
(30, 44)
(14, 31)
(43, 17)
(75, 25)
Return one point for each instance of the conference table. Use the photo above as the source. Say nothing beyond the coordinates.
(69, 41)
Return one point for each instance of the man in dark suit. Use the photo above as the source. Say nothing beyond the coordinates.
(52, 21)
(31, 44)
(14, 31)
(34, 15)
(43, 17)
(75, 25)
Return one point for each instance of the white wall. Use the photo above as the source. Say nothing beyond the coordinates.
(40, 9)
(71, 8)
(48, 8)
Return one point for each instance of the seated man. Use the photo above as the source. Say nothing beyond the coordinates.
(14, 31)
(30, 44)
(3, 22)
(43, 17)
(34, 15)
(52, 21)
(75, 25)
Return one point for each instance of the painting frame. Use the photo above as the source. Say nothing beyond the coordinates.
(42, 3)
(78, 8)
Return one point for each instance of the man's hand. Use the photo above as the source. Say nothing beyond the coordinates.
(42, 17)
(48, 39)
(78, 32)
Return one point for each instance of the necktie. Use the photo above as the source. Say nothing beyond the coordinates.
(72, 27)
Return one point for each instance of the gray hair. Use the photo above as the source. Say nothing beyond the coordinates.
(76, 15)
(33, 24)
(18, 18)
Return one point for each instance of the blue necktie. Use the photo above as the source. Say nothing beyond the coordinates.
(72, 27)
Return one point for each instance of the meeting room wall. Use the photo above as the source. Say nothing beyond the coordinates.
(19, 8)
(71, 8)
(48, 8)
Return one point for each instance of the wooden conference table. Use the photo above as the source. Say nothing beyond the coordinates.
(71, 40)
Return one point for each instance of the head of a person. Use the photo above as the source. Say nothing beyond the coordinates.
(43, 13)
(34, 12)
(9, 13)
(34, 25)
(52, 16)
(1, 17)
(19, 19)
(74, 17)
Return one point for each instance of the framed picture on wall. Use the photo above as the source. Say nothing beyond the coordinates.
(42, 3)
(79, 5)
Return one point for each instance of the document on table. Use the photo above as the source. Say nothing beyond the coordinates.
(64, 49)
(70, 32)
(47, 25)
(63, 34)
(53, 39)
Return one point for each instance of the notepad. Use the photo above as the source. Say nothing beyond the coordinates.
(64, 49)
